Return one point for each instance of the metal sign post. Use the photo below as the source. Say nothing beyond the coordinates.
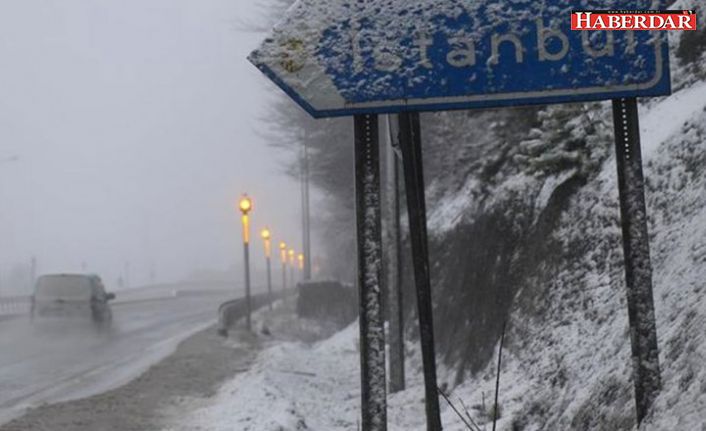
(372, 329)
(411, 146)
(636, 248)
(393, 259)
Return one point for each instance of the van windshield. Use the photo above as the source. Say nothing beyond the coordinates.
(67, 287)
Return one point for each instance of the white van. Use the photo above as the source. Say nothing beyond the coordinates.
(81, 296)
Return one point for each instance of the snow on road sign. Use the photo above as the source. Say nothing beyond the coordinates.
(342, 57)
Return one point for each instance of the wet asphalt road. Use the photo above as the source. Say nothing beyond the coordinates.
(56, 361)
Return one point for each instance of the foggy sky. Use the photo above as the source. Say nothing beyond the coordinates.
(135, 123)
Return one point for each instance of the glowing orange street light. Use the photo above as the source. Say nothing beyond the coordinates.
(245, 206)
(266, 235)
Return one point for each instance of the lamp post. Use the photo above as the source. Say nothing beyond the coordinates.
(283, 259)
(292, 258)
(266, 238)
(245, 207)
(302, 274)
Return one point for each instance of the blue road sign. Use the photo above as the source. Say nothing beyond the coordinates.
(340, 57)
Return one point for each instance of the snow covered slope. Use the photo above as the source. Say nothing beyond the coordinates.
(568, 359)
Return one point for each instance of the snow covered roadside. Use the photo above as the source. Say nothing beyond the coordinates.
(299, 386)
(295, 386)
(291, 387)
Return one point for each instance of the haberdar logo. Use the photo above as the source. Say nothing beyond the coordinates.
(633, 20)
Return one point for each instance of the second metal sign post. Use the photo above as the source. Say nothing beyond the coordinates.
(369, 234)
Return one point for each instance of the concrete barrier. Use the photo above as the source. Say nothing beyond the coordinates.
(321, 300)
(328, 301)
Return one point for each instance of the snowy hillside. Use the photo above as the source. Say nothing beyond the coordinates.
(568, 362)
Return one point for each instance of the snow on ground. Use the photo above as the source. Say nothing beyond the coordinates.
(292, 387)
(298, 386)
(442, 218)
(668, 116)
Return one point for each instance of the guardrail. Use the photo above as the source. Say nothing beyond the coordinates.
(164, 291)
(322, 300)
(14, 305)
(231, 311)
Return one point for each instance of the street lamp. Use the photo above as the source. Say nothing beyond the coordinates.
(266, 236)
(292, 263)
(245, 207)
(283, 259)
(300, 257)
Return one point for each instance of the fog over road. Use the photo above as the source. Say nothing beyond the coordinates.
(50, 363)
